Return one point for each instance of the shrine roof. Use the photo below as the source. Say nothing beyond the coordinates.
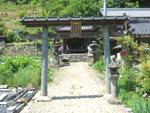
(66, 21)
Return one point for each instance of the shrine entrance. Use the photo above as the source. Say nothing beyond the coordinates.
(77, 45)
(76, 40)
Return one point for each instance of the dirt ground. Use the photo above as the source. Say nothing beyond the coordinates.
(76, 89)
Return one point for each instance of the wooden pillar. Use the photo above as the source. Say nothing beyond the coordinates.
(107, 57)
(44, 61)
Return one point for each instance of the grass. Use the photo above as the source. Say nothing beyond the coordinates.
(9, 13)
(135, 101)
(20, 43)
(100, 66)
(21, 71)
(28, 76)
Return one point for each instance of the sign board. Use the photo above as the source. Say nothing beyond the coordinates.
(76, 29)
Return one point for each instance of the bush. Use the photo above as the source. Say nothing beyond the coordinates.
(22, 13)
(135, 101)
(21, 71)
(10, 66)
(100, 66)
(26, 76)
(135, 74)
(127, 81)
(2, 28)
(10, 36)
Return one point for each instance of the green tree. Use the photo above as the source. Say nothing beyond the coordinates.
(70, 8)
(121, 3)
(2, 28)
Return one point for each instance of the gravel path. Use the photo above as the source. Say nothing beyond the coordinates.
(76, 89)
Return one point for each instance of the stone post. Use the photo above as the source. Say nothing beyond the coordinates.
(113, 66)
(44, 62)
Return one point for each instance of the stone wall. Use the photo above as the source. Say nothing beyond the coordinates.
(23, 49)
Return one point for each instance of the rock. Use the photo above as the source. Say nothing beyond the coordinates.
(129, 110)
(3, 86)
(3, 96)
(43, 99)
(113, 101)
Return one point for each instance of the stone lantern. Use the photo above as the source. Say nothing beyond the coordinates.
(114, 75)
(93, 55)
(57, 52)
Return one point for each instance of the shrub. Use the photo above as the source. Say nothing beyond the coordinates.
(100, 66)
(25, 76)
(127, 81)
(10, 66)
(10, 36)
(132, 77)
(135, 101)
(144, 76)
(21, 71)
(2, 28)
(22, 13)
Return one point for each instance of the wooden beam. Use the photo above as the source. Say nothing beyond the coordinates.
(141, 35)
(65, 35)
(44, 61)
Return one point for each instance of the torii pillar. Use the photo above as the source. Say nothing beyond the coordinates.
(107, 57)
(44, 61)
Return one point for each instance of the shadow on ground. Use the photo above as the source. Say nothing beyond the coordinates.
(76, 97)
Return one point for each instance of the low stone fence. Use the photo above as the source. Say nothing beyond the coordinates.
(22, 49)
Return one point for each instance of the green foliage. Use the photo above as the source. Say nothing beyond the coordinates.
(2, 28)
(144, 75)
(22, 13)
(21, 71)
(135, 101)
(70, 8)
(101, 47)
(128, 72)
(33, 4)
(100, 66)
(133, 76)
(127, 43)
(128, 79)
(26, 76)
(10, 36)
(121, 3)
(8, 6)
(10, 66)
(21, 2)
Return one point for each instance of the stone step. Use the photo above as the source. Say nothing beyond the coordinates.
(76, 57)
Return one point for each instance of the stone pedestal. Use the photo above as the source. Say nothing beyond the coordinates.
(114, 75)
(114, 85)
(90, 59)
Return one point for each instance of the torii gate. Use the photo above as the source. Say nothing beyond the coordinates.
(66, 21)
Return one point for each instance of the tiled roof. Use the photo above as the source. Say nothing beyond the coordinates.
(131, 12)
(65, 21)
(141, 26)
(71, 18)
